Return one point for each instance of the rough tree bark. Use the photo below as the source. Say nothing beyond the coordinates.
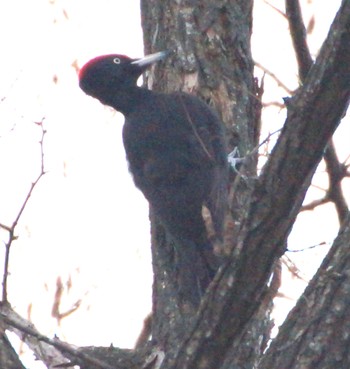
(211, 44)
(8, 356)
(189, 28)
(316, 334)
(212, 59)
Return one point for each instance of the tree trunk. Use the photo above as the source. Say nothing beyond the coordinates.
(229, 328)
(211, 59)
(316, 333)
(211, 45)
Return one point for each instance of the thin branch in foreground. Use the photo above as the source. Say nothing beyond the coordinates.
(11, 230)
(275, 78)
(274, 103)
(314, 204)
(42, 345)
(292, 268)
(56, 306)
(336, 173)
(305, 62)
(308, 247)
(275, 8)
(234, 160)
(298, 34)
(345, 161)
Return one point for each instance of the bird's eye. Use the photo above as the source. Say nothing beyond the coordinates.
(116, 61)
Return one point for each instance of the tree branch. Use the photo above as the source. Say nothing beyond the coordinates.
(335, 170)
(11, 230)
(298, 32)
(321, 316)
(275, 78)
(44, 347)
(8, 356)
(237, 291)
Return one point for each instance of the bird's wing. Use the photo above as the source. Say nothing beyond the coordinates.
(209, 132)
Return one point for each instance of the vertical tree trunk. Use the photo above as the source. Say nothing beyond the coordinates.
(210, 42)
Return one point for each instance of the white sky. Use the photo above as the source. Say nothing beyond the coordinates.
(86, 220)
(83, 214)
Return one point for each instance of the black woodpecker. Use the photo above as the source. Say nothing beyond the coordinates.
(176, 152)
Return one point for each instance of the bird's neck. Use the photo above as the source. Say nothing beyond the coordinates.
(127, 100)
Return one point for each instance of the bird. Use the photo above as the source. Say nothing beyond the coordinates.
(176, 152)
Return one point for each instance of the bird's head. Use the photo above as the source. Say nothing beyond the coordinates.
(108, 73)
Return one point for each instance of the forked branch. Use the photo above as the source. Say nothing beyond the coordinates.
(12, 229)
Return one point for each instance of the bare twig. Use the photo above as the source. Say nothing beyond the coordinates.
(273, 76)
(11, 229)
(42, 345)
(314, 204)
(298, 33)
(234, 160)
(345, 161)
(145, 332)
(56, 310)
(3, 98)
(274, 103)
(275, 8)
(308, 247)
(292, 268)
(336, 171)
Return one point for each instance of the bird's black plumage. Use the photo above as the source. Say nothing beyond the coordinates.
(174, 145)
